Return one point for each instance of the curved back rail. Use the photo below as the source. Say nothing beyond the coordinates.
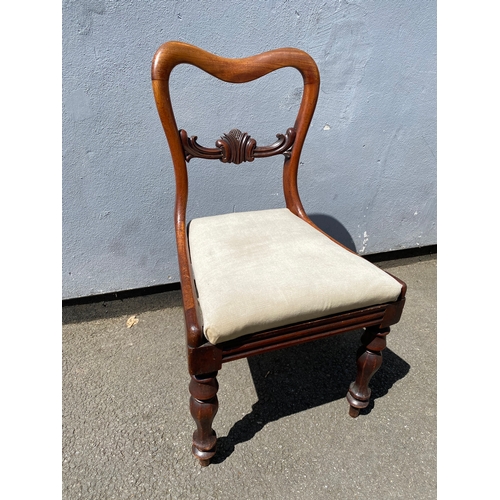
(243, 70)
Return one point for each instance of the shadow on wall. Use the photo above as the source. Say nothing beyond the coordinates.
(334, 228)
(301, 377)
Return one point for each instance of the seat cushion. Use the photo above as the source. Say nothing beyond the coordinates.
(269, 268)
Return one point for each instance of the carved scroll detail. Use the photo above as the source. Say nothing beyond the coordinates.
(237, 147)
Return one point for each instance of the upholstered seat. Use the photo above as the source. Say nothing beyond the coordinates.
(259, 270)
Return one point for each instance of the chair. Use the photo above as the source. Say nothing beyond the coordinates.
(254, 282)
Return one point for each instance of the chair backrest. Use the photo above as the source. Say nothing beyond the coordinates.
(233, 146)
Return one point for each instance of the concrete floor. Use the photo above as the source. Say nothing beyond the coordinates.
(283, 425)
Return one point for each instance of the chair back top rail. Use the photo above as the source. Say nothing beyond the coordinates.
(234, 146)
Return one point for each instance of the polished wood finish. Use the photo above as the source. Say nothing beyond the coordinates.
(203, 405)
(236, 147)
(205, 359)
(369, 360)
(244, 70)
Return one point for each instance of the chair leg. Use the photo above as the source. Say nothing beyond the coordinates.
(204, 405)
(369, 360)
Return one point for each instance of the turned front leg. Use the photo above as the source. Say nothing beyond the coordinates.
(204, 405)
(369, 360)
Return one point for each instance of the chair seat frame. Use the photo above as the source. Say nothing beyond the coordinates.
(206, 359)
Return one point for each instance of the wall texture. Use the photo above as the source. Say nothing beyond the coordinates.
(369, 163)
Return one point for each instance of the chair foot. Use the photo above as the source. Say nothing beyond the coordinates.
(353, 411)
(204, 457)
(369, 360)
(204, 405)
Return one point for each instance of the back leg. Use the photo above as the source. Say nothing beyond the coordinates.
(369, 360)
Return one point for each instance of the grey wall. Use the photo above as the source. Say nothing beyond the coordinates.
(368, 173)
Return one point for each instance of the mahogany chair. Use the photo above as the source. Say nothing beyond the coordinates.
(253, 282)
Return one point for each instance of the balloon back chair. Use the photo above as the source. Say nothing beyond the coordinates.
(257, 281)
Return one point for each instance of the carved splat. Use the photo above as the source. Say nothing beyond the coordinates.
(237, 147)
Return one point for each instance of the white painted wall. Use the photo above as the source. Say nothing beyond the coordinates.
(369, 162)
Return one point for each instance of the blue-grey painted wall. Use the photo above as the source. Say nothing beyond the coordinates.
(369, 163)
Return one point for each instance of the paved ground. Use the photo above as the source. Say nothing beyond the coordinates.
(283, 425)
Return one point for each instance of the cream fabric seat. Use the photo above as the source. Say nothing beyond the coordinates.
(259, 270)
